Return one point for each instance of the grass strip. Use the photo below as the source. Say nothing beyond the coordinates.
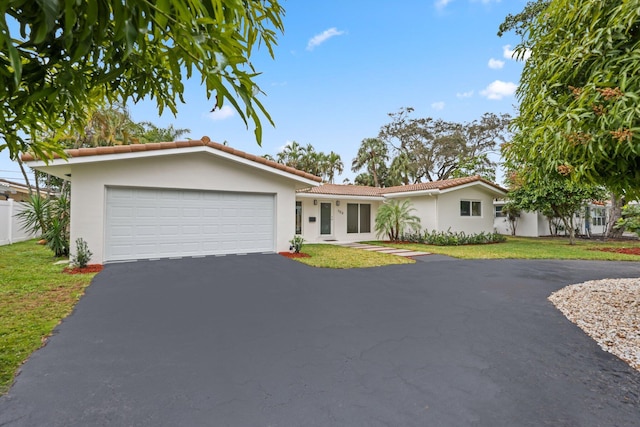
(34, 297)
(530, 248)
(332, 256)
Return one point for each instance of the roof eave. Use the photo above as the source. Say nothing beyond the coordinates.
(337, 196)
(62, 167)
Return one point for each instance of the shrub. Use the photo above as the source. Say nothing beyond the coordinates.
(296, 244)
(49, 217)
(452, 238)
(83, 254)
(394, 217)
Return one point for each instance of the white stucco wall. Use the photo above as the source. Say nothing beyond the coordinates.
(449, 211)
(311, 230)
(425, 209)
(528, 225)
(197, 171)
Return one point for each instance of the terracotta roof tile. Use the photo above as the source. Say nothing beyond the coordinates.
(344, 190)
(361, 190)
(204, 141)
(439, 185)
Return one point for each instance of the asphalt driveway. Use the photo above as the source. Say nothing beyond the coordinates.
(260, 340)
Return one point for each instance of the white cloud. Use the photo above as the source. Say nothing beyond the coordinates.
(495, 64)
(318, 39)
(438, 106)
(223, 113)
(462, 95)
(509, 53)
(499, 89)
(441, 4)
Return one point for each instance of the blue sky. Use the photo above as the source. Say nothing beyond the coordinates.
(342, 66)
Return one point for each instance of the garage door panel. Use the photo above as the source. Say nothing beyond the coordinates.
(153, 223)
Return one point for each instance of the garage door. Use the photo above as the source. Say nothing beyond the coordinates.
(160, 223)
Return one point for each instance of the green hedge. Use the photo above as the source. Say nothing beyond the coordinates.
(452, 238)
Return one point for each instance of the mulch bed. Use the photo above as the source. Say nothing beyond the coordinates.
(91, 268)
(628, 251)
(294, 255)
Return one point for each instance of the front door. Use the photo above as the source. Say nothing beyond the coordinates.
(325, 218)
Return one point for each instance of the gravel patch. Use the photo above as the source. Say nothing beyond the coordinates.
(608, 311)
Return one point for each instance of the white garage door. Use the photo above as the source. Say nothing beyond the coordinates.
(160, 223)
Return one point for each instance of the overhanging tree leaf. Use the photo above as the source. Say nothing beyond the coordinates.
(81, 53)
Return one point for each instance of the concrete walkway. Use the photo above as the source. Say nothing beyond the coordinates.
(384, 250)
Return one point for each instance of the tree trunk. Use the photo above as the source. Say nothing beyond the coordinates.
(24, 175)
(568, 225)
(616, 213)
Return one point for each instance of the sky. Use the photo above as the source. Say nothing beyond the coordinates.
(342, 66)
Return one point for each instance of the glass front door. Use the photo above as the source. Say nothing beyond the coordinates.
(325, 218)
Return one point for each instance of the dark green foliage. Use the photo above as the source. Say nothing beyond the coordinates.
(309, 160)
(50, 218)
(83, 254)
(579, 95)
(69, 56)
(434, 149)
(452, 238)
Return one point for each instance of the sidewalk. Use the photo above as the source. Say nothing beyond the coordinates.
(383, 249)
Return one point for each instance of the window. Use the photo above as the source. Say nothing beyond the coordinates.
(358, 218)
(598, 216)
(499, 213)
(352, 218)
(470, 208)
(298, 217)
(365, 218)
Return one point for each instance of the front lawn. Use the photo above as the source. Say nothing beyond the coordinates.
(530, 248)
(34, 297)
(332, 256)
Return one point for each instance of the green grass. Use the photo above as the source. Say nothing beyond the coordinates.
(34, 297)
(530, 248)
(332, 256)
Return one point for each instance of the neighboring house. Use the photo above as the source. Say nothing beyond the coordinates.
(591, 220)
(347, 212)
(187, 198)
(13, 190)
(12, 194)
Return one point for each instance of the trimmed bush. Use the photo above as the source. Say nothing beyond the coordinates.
(452, 238)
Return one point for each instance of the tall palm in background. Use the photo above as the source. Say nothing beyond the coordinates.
(333, 165)
(373, 154)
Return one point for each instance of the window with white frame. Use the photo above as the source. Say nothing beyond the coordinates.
(358, 218)
(499, 213)
(470, 208)
(598, 216)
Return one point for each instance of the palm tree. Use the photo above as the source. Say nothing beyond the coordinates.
(394, 217)
(403, 169)
(153, 133)
(334, 165)
(373, 153)
(291, 155)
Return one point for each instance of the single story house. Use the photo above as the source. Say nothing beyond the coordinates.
(174, 199)
(347, 212)
(195, 198)
(590, 220)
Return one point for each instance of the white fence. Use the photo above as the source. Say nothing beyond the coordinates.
(10, 228)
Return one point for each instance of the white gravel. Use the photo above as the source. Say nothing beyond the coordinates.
(608, 311)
